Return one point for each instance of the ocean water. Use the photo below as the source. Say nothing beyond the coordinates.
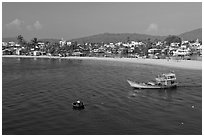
(37, 96)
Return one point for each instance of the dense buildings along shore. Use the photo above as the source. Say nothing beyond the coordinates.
(171, 48)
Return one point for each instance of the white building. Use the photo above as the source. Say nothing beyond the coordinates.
(175, 44)
(17, 45)
(41, 44)
(181, 52)
(4, 44)
(18, 51)
(196, 44)
(185, 42)
(62, 42)
(154, 50)
(11, 43)
(69, 43)
(159, 43)
(36, 53)
(125, 45)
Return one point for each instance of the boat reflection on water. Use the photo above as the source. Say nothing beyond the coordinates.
(19, 59)
(167, 94)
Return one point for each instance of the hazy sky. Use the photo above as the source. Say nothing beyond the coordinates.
(74, 20)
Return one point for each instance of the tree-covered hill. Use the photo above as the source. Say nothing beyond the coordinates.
(192, 35)
(121, 37)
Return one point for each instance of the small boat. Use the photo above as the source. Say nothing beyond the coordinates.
(164, 81)
(78, 105)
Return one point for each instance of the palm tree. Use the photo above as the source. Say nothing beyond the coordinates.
(34, 42)
(128, 39)
(20, 40)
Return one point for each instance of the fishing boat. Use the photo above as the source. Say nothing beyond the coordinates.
(164, 81)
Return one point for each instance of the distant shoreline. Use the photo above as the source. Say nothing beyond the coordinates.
(183, 64)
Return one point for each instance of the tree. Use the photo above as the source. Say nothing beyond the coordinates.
(21, 40)
(50, 48)
(124, 51)
(73, 46)
(149, 43)
(34, 42)
(171, 39)
(137, 50)
(128, 39)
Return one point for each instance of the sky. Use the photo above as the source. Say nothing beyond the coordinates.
(74, 20)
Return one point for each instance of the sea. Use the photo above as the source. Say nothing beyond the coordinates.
(37, 97)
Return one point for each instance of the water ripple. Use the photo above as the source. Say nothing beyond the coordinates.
(38, 95)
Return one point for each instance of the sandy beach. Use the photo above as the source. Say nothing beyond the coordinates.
(183, 64)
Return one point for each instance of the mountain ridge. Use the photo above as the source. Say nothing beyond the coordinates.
(192, 35)
(123, 37)
(116, 37)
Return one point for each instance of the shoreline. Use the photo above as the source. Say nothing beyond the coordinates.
(182, 64)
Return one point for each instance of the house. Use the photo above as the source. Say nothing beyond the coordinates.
(159, 43)
(175, 44)
(95, 50)
(78, 54)
(111, 45)
(118, 43)
(18, 51)
(6, 52)
(36, 53)
(154, 51)
(41, 45)
(181, 52)
(199, 49)
(125, 45)
(69, 43)
(62, 42)
(11, 43)
(4, 44)
(17, 46)
(184, 42)
(196, 44)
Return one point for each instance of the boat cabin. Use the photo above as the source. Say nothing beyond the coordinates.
(166, 79)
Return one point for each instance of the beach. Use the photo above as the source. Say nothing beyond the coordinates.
(183, 64)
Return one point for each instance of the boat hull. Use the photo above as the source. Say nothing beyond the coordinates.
(145, 86)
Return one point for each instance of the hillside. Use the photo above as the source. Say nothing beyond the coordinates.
(192, 35)
(123, 37)
(111, 37)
